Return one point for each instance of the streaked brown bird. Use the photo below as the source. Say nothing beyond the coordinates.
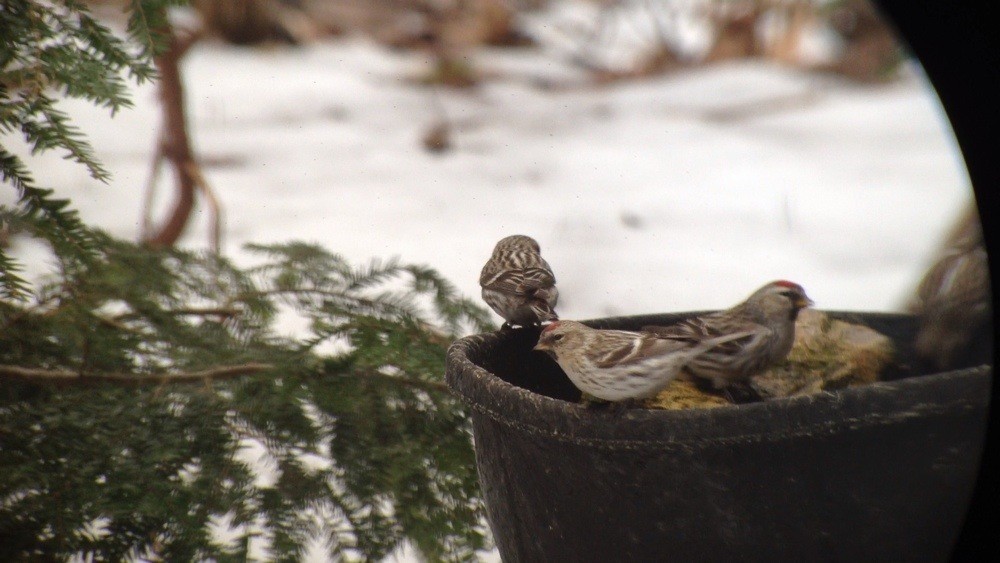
(954, 298)
(619, 365)
(767, 321)
(518, 284)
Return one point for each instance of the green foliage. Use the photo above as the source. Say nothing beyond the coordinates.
(134, 381)
(54, 50)
(143, 467)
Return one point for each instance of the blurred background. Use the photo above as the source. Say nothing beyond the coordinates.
(668, 155)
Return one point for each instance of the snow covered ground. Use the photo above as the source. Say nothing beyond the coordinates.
(677, 193)
(680, 192)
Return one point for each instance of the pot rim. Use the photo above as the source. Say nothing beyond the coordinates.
(884, 402)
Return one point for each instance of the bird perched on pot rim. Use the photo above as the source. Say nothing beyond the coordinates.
(767, 321)
(518, 284)
(615, 365)
(954, 298)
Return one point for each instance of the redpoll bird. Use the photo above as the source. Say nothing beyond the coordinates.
(518, 284)
(616, 365)
(953, 300)
(767, 318)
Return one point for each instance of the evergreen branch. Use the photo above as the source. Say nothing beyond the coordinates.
(40, 308)
(148, 25)
(58, 49)
(226, 312)
(206, 311)
(422, 384)
(370, 305)
(46, 128)
(37, 375)
(12, 286)
(47, 217)
(139, 69)
(155, 464)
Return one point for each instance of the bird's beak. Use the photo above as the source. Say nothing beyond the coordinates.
(802, 302)
(541, 346)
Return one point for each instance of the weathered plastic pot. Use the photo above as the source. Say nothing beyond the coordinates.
(881, 472)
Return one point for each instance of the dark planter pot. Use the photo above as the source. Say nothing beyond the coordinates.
(882, 472)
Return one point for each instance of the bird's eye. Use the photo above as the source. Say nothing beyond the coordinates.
(557, 337)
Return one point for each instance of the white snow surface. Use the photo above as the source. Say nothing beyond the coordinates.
(676, 193)
(680, 192)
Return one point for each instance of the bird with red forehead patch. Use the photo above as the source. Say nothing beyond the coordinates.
(767, 318)
(619, 365)
(518, 284)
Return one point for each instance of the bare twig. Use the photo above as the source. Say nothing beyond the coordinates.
(207, 311)
(37, 309)
(226, 312)
(175, 146)
(72, 377)
(215, 212)
(760, 108)
(422, 384)
(150, 196)
(116, 323)
(437, 138)
(64, 377)
(338, 295)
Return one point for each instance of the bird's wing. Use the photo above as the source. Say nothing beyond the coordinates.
(519, 281)
(504, 281)
(627, 348)
(537, 277)
(698, 330)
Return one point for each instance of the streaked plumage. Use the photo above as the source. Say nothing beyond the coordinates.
(767, 318)
(954, 298)
(518, 284)
(617, 365)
